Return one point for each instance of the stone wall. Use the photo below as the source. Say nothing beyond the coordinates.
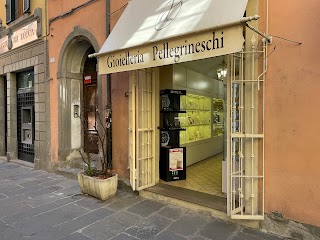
(30, 56)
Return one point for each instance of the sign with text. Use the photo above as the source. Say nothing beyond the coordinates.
(176, 159)
(87, 79)
(4, 45)
(24, 35)
(182, 49)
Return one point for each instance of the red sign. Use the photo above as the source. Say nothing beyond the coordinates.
(87, 79)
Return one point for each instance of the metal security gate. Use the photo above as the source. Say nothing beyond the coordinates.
(142, 128)
(25, 118)
(246, 135)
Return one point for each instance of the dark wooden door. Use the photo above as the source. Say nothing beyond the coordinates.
(91, 143)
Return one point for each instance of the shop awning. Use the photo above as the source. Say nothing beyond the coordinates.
(160, 32)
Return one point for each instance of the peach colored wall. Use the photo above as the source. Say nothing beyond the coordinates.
(92, 18)
(292, 166)
(119, 84)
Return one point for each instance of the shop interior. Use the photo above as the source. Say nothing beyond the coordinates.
(201, 123)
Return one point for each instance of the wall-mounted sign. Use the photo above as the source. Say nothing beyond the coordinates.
(4, 45)
(87, 79)
(177, 50)
(24, 35)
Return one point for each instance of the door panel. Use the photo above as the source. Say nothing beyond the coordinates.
(142, 129)
(25, 116)
(246, 136)
(91, 143)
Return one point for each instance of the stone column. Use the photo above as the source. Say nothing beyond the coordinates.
(70, 94)
(12, 138)
(2, 117)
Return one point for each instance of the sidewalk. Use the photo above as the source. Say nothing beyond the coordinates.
(37, 205)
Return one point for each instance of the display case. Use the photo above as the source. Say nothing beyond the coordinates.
(172, 116)
(217, 117)
(197, 119)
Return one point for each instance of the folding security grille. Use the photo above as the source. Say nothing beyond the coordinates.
(246, 135)
(142, 128)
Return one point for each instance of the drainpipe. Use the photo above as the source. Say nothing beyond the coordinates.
(109, 103)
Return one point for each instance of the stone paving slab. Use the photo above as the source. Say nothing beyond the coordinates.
(37, 205)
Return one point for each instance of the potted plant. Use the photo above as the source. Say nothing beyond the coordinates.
(100, 183)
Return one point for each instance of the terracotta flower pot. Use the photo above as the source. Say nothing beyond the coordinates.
(102, 189)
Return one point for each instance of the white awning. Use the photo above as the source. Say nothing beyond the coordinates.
(153, 32)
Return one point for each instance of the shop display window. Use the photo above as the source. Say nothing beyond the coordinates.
(204, 118)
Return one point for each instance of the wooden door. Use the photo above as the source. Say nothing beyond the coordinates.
(89, 109)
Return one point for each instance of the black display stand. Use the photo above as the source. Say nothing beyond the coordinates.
(172, 163)
(172, 156)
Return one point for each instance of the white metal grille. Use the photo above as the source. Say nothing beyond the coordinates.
(132, 129)
(142, 128)
(246, 135)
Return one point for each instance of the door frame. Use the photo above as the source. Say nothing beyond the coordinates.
(86, 131)
(5, 116)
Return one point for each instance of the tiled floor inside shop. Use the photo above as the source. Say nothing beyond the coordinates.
(205, 176)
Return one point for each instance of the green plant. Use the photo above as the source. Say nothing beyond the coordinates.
(90, 169)
(101, 132)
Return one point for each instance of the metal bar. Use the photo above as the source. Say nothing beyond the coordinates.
(252, 127)
(258, 32)
(263, 115)
(144, 158)
(229, 130)
(149, 152)
(232, 126)
(247, 135)
(134, 169)
(145, 130)
(247, 217)
(244, 81)
(237, 210)
(247, 176)
(241, 129)
(153, 97)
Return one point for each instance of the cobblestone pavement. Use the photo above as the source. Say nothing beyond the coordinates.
(38, 205)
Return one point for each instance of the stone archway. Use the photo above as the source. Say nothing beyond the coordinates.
(74, 52)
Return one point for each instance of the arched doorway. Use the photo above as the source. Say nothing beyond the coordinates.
(78, 87)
